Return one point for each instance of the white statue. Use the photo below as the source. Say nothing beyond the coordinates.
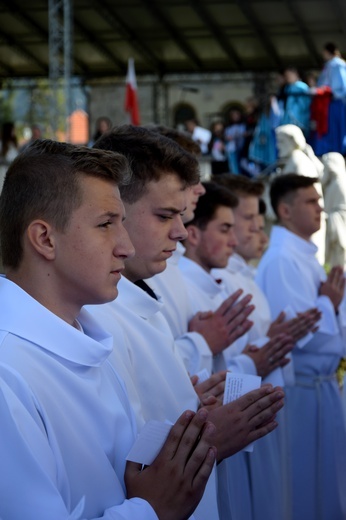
(298, 157)
(334, 190)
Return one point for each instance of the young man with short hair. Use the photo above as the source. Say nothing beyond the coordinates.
(66, 422)
(248, 227)
(209, 244)
(239, 274)
(289, 274)
(155, 202)
(198, 337)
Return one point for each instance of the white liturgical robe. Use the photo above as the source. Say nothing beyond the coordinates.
(158, 373)
(289, 274)
(177, 310)
(266, 494)
(66, 423)
(239, 274)
(267, 457)
(234, 479)
(207, 294)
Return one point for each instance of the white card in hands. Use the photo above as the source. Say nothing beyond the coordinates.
(202, 375)
(237, 385)
(149, 442)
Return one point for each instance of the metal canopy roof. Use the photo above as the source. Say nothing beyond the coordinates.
(173, 36)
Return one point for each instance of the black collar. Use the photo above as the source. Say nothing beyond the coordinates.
(143, 285)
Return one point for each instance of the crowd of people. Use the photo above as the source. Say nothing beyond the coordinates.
(246, 142)
(128, 298)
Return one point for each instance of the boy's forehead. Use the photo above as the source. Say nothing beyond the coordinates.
(308, 192)
(100, 192)
(90, 183)
(223, 214)
(167, 184)
(247, 202)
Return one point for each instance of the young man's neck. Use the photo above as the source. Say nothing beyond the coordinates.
(246, 260)
(295, 232)
(195, 258)
(44, 293)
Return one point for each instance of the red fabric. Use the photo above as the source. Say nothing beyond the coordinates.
(131, 98)
(320, 109)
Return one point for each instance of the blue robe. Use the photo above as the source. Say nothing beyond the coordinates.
(333, 75)
(297, 109)
(289, 274)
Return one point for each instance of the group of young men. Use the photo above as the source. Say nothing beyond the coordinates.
(127, 297)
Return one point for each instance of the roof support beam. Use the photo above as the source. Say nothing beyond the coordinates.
(304, 32)
(248, 12)
(17, 11)
(340, 12)
(8, 71)
(175, 33)
(217, 32)
(138, 44)
(21, 49)
(91, 38)
(60, 61)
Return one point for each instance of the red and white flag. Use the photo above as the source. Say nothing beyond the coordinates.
(131, 99)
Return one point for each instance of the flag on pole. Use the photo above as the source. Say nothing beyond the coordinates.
(131, 99)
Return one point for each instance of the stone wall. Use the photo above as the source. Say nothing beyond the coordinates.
(159, 99)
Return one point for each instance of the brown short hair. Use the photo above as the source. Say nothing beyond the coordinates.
(182, 138)
(151, 157)
(285, 187)
(240, 185)
(215, 196)
(43, 182)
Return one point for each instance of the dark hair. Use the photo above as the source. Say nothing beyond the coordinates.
(183, 139)
(240, 185)
(43, 182)
(214, 197)
(331, 48)
(151, 156)
(262, 207)
(284, 187)
(291, 68)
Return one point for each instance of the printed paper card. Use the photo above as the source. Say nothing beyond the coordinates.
(149, 442)
(237, 385)
(203, 375)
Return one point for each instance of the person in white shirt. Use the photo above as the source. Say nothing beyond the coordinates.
(199, 134)
(251, 239)
(66, 422)
(155, 201)
(289, 274)
(209, 244)
(198, 337)
(298, 157)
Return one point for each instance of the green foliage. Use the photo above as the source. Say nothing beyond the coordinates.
(32, 102)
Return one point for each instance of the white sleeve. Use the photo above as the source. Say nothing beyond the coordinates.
(242, 364)
(284, 284)
(195, 352)
(31, 487)
(236, 361)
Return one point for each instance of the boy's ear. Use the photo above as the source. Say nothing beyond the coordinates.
(194, 235)
(40, 236)
(284, 211)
